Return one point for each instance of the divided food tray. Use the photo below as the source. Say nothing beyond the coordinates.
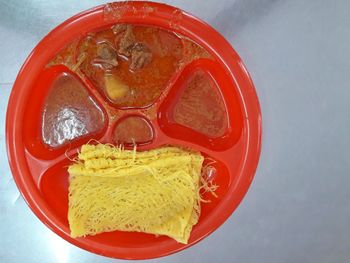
(40, 170)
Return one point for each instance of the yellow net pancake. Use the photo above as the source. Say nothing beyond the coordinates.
(155, 191)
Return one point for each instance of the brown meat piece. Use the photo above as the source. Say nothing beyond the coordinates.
(119, 28)
(106, 51)
(106, 56)
(127, 42)
(140, 56)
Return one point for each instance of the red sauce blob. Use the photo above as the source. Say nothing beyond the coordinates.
(69, 112)
(146, 84)
(201, 107)
(133, 129)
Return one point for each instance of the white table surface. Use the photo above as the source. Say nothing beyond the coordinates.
(298, 206)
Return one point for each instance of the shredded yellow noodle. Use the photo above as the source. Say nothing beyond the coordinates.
(154, 191)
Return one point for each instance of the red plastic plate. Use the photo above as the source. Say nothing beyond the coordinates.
(41, 174)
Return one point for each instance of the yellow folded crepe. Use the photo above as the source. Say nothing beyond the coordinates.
(154, 191)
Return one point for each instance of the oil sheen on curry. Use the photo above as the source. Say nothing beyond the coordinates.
(128, 69)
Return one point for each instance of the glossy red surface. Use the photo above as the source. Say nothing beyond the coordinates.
(40, 172)
(133, 129)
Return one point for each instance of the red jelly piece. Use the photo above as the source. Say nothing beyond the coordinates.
(201, 107)
(69, 112)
